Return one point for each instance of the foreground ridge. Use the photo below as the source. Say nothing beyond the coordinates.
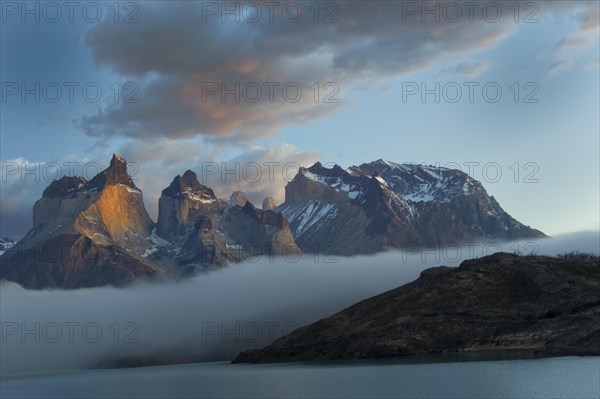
(497, 303)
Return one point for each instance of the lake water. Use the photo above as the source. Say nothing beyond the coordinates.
(561, 377)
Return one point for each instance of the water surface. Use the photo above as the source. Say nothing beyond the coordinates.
(560, 377)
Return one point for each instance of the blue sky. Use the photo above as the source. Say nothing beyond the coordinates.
(369, 53)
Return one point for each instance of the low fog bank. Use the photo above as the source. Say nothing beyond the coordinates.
(584, 241)
(215, 315)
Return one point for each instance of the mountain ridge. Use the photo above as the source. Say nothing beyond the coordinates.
(360, 210)
(391, 204)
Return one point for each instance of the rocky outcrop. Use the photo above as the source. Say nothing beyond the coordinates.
(268, 204)
(182, 203)
(496, 303)
(383, 205)
(237, 198)
(115, 174)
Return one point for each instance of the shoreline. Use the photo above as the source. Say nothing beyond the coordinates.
(425, 358)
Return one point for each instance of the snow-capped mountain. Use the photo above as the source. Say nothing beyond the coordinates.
(382, 205)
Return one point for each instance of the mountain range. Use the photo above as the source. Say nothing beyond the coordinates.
(98, 232)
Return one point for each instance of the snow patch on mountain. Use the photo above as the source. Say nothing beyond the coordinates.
(337, 183)
(308, 214)
(131, 190)
(157, 240)
(5, 245)
(198, 196)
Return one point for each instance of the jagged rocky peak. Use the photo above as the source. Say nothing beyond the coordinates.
(101, 226)
(182, 203)
(335, 176)
(64, 186)
(268, 204)
(107, 209)
(188, 187)
(114, 175)
(333, 185)
(238, 198)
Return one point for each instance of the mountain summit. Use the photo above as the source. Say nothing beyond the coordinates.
(184, 195)
(382, 205)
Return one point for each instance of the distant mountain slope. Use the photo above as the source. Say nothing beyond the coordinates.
(495, 303)
(383, 205)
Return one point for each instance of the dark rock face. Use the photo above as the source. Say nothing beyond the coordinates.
(499, 302)
(383, 205)
(188, 186)
(64, 186)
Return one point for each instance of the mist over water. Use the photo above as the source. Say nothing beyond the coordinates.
(215, 315)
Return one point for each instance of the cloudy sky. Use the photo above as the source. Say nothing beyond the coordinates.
(507, 92)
